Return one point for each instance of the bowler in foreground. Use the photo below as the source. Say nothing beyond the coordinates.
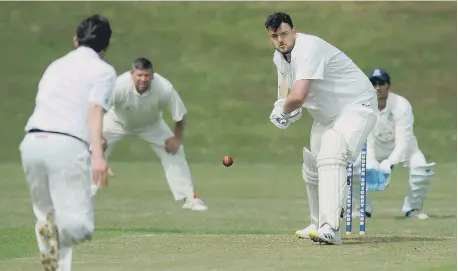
(343, 105)
(73, 95)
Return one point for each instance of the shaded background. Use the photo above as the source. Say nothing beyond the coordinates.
(219, 58)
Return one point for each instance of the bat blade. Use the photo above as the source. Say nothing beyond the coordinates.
(283, 89)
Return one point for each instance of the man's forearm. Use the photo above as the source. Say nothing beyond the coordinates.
(397, 154)
(291, 105)
(179, 129)
(297, 96)
(95, 124)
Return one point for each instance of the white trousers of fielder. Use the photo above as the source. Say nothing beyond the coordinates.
(57, 170)
(175, 165)
(421, 174)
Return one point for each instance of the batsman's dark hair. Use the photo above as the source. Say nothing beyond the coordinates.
(94, 32)
(142, 64)
(276, 19)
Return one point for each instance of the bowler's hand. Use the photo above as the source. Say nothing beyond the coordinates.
(110, 172)
(172, 145)
(100, 169)
(104, 144)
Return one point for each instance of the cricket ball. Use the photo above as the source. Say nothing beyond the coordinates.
(227, 161)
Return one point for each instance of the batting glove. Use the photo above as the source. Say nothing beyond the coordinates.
(278, 112)
(279, 118)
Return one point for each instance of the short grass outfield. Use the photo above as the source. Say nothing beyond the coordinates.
(219, 58)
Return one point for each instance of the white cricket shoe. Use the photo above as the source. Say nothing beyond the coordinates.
(194, 204)
(326, 235)
(417, 214)
(304, 233)
(49, 243)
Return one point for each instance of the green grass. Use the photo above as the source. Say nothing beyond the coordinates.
(254, 211)
(219, 58)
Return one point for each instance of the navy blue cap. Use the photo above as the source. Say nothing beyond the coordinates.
(380, 74)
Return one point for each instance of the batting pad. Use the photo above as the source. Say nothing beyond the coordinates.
(332, 172)
(310, 175)
(419, 184)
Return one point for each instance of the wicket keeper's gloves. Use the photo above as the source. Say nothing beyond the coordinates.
(377, 180)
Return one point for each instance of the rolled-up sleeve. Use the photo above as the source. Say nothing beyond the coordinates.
(403, 135)
(102, 92)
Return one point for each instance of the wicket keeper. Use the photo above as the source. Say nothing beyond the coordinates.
(392, 143)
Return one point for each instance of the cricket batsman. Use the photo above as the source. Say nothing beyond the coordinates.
(391, 143)
(343, 104)
(141, 96)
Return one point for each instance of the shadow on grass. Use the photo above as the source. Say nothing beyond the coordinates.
(431, 216)
(347, 240)
(388, 239)
(189, 231)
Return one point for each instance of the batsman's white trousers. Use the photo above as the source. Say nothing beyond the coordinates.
(353, 126)
(58, 174)
(354, 123)
(175, 165)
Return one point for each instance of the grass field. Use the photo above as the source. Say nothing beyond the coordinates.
(220, 60)
(254, 211)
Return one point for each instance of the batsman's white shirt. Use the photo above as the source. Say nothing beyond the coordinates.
(337, 81)
(65, 89)
(140, 111)
(393, 136)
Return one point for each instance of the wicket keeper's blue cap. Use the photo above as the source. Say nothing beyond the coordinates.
(379, 75)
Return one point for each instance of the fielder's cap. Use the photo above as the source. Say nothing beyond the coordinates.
(379, 75)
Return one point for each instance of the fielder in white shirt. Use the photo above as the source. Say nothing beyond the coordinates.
(73, 95)
(140, 98)
(343, 105)
(392, 142)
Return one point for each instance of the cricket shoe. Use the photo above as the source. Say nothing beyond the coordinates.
(49, 244)
(342, 213)
(304, 233)
(326, 235)
(194, 203)
(417, 214)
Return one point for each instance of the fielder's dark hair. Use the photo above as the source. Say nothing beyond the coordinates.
(142, 64)
(94, 32)
(275, 20)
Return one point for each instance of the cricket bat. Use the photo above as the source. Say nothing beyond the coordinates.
(283, 92)
(283, 89)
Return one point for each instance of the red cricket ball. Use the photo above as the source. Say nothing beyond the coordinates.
(227, 161)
